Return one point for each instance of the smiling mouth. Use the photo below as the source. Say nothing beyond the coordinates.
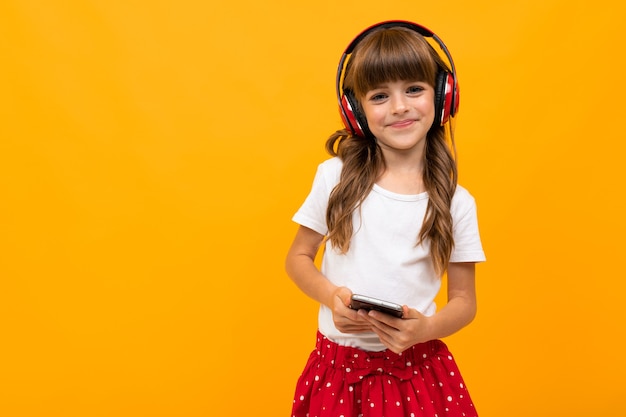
(402, 123)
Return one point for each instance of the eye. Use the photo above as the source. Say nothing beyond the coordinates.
(415, 89)
(376, 97)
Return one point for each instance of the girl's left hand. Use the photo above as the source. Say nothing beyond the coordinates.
(399, 334)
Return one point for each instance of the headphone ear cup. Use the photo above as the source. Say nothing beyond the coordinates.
(446, 98)
(455, 98)
(353, 118)
(440, 93)
(347, 115)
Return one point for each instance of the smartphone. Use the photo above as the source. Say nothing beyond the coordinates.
(364, 302)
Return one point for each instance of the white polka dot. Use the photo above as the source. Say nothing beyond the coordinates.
(317, 378)
(449, 398)
(398, 403)
(302, 398)
(328, 385)
(452, 373)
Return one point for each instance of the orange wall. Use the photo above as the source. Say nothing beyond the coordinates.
(153, 152)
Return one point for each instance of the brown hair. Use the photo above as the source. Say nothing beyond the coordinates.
(385, 55)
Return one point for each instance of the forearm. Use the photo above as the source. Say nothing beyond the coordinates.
(303, 272)
(461, 307)
(456, 314)
(301, 268)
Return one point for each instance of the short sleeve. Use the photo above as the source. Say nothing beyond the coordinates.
(467, 243)
(312, 213)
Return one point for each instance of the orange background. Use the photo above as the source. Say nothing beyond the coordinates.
(152, 154)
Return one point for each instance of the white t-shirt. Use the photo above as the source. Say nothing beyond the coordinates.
(383, 260)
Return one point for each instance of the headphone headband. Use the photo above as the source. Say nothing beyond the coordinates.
(446, 90)
(388, 24)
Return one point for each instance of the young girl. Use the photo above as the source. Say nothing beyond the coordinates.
(393, 220)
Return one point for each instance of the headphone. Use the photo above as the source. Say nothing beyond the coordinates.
(446, 84)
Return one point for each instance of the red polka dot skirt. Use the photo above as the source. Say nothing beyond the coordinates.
(341, 381)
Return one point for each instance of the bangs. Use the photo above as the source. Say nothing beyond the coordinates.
(390, 55)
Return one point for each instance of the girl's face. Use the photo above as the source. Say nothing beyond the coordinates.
(400, 114)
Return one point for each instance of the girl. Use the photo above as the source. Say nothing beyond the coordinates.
(393, 220)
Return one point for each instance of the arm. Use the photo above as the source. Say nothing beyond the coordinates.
(301, 269)
(460, 310)
(461, 307)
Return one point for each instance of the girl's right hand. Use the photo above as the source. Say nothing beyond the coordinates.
(347, 320)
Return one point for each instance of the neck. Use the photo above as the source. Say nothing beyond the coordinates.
(402, 176)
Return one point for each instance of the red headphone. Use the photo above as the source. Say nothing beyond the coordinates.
(446, 84)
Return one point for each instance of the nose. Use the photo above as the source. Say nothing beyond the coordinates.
(399, 104)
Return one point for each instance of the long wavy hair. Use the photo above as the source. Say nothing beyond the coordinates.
(388, 55)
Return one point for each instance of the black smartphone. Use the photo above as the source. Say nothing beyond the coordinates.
(364, 302)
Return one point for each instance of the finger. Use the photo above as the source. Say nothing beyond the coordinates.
(355, 329)
(384, 320)
(411, 313)
(354, 315)
(383, 330)
(386, 339)
(344, 294)
(352, 326)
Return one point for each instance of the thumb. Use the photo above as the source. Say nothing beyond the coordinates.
(345, 295)
(410, 313)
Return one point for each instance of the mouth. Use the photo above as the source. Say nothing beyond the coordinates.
(402, 123)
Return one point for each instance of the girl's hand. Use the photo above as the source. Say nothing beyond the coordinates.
(399, 334)
(347, 320)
